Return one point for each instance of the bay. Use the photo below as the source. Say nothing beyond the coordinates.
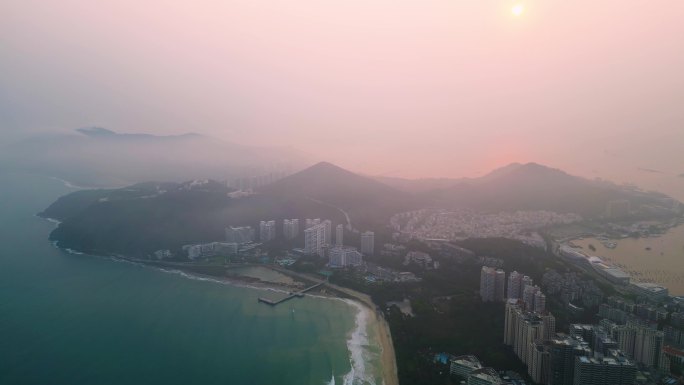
(78, 319)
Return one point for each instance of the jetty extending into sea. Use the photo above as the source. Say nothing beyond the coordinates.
(292, 294)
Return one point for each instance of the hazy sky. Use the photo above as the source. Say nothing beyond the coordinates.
(395, 87)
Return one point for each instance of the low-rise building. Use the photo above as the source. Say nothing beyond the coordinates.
(484, 376)
(462, 366)
(344, 256)
(652, 291)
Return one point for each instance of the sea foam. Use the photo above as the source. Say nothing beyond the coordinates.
(358, 344)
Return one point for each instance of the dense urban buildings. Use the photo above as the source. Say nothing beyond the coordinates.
(613, 369)
(461, 224)
(211, 249)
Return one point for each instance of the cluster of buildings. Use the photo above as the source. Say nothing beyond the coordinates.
(610, 353)
(571, 287)
(429, 224)
(392, 250)
(374, 273)
(472, 371)
(518, 287)
(256, 180)
(421, 259)
(621, 310)
(210, 249)
(622, 208)
(588, 355)
(318, 239)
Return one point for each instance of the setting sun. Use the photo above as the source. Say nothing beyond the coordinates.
(517, 9)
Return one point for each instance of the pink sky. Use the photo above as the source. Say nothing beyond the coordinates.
(395, 87)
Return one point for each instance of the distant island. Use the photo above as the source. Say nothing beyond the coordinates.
(99, 157)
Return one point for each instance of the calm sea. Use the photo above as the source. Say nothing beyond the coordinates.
(76, 319)
(657, 260)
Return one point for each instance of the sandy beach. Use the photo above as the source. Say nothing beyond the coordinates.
(383, 333)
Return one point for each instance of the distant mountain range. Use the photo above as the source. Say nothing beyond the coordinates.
(149, 216)
(365, 199)
(526, 187)
(100, 157)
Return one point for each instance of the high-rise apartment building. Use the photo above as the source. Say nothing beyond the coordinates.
(328, 232)
(528, 296)
(267, 231)
(368, 243)
(500, 286)
(523, 328)
(311, 222)
(514, 285)
(539, 365)
(290, 228)
(612, 369)
(647, 346)
(563, 352)
(243, 234)
(339, 235)
(526, 281)
(487, 283)
(492, 284)
(539, 302)
(314, 239)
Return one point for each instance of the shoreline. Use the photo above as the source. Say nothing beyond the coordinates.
(376, 320)
(382, 329)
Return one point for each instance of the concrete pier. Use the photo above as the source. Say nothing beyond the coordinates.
(298, 294)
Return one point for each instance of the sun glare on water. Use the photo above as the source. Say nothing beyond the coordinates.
(517, 9)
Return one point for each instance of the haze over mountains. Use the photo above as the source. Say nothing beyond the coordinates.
(100, 157)
(525, 187)
(149, 216)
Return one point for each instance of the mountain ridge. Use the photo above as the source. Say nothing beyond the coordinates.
(100, 157)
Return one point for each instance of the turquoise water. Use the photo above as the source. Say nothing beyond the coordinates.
(76, 319)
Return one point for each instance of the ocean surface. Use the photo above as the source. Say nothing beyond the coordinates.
(654, 259)
(78, 319)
